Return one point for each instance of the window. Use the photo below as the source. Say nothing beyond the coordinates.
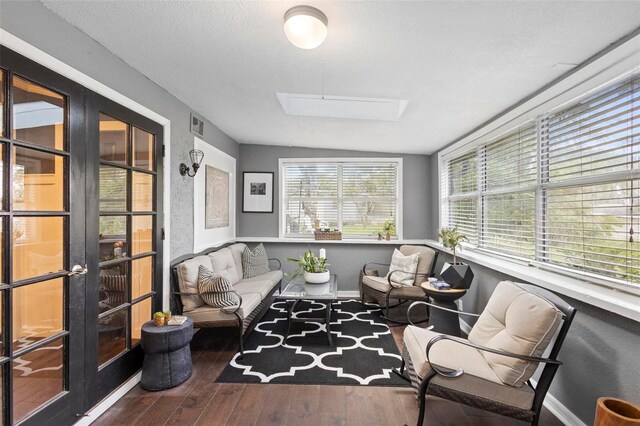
(356, 196)
(561, 191)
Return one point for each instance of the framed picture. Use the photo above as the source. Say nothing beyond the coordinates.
(257, 190)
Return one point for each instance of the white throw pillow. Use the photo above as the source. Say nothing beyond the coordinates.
(407, 264)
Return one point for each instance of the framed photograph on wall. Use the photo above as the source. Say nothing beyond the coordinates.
(257, 190)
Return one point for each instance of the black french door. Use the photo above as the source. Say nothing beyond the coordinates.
(80, 239)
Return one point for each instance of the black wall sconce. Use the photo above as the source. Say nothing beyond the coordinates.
(196, 158)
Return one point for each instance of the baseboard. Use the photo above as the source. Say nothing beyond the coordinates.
(552, 404)
(350, 294)
(93, 414)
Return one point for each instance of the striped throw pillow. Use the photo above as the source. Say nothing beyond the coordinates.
(115, 288)
(215, 288)
(254, 262)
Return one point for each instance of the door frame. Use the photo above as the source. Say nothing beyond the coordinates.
(52, 63)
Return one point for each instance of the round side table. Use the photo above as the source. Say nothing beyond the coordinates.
(445, 322)
(167, 355)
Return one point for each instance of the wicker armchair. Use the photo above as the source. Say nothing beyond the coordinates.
(384, 289)
(492, 369)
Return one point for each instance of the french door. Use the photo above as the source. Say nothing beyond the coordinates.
(80, 241)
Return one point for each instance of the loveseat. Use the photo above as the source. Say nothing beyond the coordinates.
(255, 293)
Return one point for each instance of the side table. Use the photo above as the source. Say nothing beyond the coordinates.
(167, 355)
(446, 322)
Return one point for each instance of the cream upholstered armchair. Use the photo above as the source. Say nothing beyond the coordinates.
(491, 370)
(386, 289)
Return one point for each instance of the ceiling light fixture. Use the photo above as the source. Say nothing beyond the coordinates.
(305, 26)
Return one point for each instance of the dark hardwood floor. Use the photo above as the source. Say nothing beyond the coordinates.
(201, 401)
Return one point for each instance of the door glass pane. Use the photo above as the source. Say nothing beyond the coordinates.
(141, 233)
(2, 125)
(141, 276)
(38, 180)
(38, 114)
(140, 313)
(112, 282)
(142, 192)
(1, 253)
(113, 237)
(37, 312)
(37, 246)
(1, 327)
(2, 175)
(114, 145)
(113, 189)
(37, 378)
(112, 335)
(143, 148)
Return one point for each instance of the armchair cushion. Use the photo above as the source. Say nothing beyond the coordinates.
(222, 260)
(478, 379)
(377, 283)
(236, 252)
(209, 316)
(425, 262)
(403, 267)
(516, 321)
(188, 281)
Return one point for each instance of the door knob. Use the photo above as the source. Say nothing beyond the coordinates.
(78, 270)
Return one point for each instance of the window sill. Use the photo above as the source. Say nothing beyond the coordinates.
(371, 241)
(618, 302)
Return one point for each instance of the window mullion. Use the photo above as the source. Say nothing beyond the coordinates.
(542, 179)
(339, 200)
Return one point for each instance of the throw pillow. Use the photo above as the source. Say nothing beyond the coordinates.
(254, 262)
(215, 288)
(407, 265)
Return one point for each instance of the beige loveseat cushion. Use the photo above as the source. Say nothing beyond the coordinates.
(222, 260)
(516, 321)
(188, 281)
(236, 252)
(262, 284)
(425, 262)
(478, 378)
(209, 316)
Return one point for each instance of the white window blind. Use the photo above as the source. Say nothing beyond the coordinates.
(356, 197)
(562, 190)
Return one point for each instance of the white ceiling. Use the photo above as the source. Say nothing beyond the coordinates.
(458, 63)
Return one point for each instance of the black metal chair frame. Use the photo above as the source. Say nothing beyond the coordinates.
(551, 363)
(253, 318)
(402, 299)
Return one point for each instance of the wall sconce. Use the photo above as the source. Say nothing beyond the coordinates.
(196, 158)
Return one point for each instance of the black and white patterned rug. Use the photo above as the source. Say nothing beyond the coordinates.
(363, 352)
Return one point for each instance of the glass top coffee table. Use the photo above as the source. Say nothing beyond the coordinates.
(297, 290)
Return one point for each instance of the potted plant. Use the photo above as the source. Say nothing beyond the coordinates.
(314, 269)
(389, 229)
(456, 274)
(158, 319)
(167, 316)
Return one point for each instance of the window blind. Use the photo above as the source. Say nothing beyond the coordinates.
(562, 190)
(356, 197)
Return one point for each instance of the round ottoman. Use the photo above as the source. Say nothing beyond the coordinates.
(167, 355)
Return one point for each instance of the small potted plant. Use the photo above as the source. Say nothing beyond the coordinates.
(167, 316)
(117, 248)
(158, 319)
(314, 269)
(456, 274)
(389, 229)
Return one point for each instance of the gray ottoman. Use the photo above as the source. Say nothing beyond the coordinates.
(167, 355)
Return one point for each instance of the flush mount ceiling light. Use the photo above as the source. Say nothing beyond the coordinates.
(305, 26)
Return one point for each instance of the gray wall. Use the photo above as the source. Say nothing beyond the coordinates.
(260, 158)
(37, 25)
(601, 353)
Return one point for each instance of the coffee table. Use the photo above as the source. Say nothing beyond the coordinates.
(298, 290)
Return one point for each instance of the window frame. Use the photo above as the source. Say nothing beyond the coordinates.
(541, 188)
(282, 162)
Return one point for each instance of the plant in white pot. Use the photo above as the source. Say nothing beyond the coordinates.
(314, 269)
(456, 274)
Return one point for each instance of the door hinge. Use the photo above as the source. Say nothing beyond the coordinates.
(163, 151)
(163, 233)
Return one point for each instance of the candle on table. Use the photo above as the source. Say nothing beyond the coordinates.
(323, 253)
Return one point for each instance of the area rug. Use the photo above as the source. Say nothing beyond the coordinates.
(363, 352)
